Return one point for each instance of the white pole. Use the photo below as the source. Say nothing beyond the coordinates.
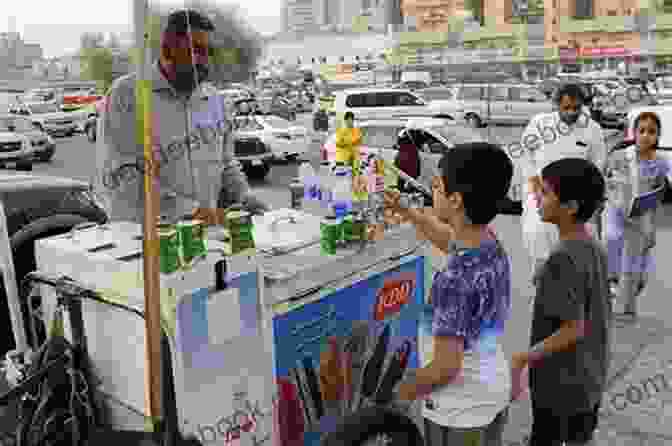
(11, 289)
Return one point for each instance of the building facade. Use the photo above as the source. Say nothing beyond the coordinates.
(17, 54)
(323, 48)
(607, 34)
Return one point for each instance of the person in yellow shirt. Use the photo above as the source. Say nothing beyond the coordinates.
(348, 139)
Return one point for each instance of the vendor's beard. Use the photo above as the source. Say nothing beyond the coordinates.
(187, 77)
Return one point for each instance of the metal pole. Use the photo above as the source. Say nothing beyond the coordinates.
(11, 288)
(142, 28)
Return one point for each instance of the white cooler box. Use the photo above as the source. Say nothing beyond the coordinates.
(217, 373)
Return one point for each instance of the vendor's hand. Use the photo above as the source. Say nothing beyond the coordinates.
(210, 216)
(392, 201)
(519, 360)
(406, 392)
(535, 184)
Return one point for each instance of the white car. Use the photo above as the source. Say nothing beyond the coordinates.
(286, 141)
(49, 117)
(383, 103)
(431, 136)
(14, 147)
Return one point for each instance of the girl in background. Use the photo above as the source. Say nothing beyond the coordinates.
(629, 173)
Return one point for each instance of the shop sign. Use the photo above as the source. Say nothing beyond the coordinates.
(608, 51)
(568, 53)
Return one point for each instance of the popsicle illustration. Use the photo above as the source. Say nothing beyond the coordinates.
(374, 366)
(395, 371)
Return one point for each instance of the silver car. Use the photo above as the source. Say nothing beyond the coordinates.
(495, 103)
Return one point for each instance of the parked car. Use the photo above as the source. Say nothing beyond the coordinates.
(43, 146)
(234, 94)
(285, 140)
(432, 137)
(665, 89)
(48, 116)
(36, 207)
(438, 93)
(254, 156)
(414, 85)
(276, 105)
(384, 103)
(496, 103)
(40, 95)
(16, 149)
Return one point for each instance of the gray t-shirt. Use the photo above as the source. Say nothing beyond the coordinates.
(572, 285)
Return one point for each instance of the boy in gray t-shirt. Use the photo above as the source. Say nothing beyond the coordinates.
(570, 332)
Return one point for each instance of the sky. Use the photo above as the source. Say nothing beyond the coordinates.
(57, 25)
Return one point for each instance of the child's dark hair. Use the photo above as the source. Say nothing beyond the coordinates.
(579, 180)
(349, 115)
(571, 90)
(482, 172)
(652, 117)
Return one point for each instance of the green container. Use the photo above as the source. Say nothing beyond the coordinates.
(192, 239)
(347, 228)
(358, 229)
(330, 233)
(238, 227)
(169, 250)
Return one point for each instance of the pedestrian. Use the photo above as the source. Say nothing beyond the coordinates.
(634, 171)
(466, 384)
(568, 132)
(348, 139)
(570, 334)
(407, 160)
(192, 135)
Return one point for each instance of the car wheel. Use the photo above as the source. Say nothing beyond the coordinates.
(474, 121)
(91, 133)
(258, 172)
(292, 158)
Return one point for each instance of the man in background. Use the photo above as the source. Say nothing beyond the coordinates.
(191, 135)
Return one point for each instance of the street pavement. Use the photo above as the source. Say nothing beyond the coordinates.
(635, 411)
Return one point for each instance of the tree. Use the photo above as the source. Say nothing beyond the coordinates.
(236, 48)
(97, 64)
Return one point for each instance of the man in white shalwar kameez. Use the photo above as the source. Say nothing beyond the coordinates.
(568, 132)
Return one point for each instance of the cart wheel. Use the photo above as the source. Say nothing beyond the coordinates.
(372, 424)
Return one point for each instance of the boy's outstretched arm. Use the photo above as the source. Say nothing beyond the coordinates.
(440, 234)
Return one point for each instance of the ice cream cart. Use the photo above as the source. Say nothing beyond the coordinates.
(252, 361)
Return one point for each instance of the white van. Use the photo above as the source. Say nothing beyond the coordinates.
(382, 103)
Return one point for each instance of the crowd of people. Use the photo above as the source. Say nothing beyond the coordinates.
(589, 226)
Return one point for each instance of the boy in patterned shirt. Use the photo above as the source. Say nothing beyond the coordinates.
(467, 382)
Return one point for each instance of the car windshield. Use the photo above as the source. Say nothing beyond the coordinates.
(380, 136)
(37, 109)
(277, 123)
